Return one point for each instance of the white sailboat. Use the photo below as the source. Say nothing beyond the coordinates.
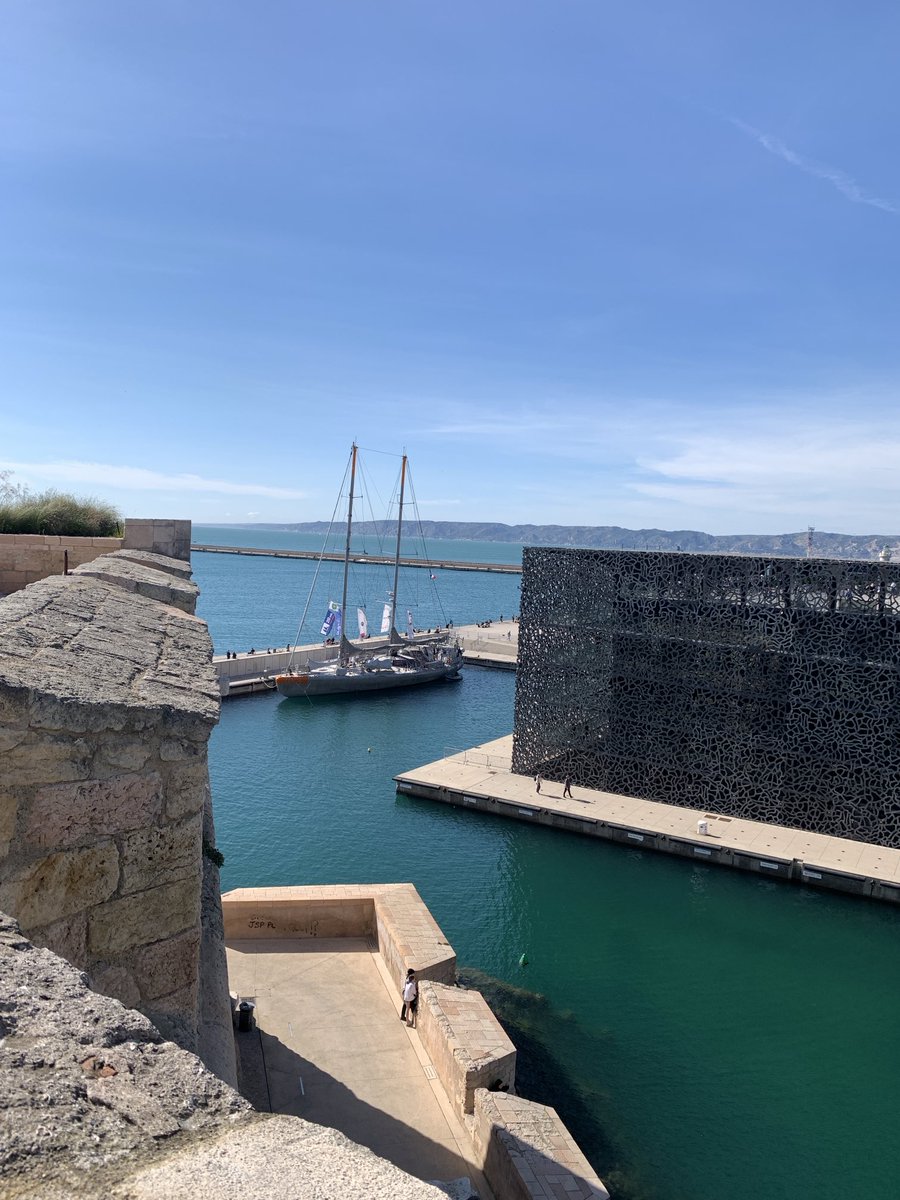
(397, 664)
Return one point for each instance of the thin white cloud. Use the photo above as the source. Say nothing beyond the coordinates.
(139, 479)
(840, 475)
(839, 179)
(504, 426)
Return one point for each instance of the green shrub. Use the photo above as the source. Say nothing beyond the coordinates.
(58, 513)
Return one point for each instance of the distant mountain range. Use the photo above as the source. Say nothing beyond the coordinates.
(614, 537)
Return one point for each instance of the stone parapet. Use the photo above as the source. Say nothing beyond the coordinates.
(144, 579)
(107, 701)
(27, 557)
(527, 1152)
(159, 536)
(467, 1045)
(393, 913)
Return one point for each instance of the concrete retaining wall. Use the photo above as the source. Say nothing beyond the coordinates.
(107, 701)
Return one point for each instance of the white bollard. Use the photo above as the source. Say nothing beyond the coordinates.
(703, 827)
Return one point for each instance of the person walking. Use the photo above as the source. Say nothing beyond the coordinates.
(410, 998)
(537, 783)
(567, 788)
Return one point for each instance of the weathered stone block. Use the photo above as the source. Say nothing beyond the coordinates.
(67, 938)
(144, 917)
(35, 760)
(168, 966)
(8, 811)
(117, 982)
(160, 855)
(67, 814)
(61, 884)
(122, 752)
(187, 789)
(181, 749)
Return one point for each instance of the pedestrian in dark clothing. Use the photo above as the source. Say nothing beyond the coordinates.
(567, 789)
(537, 784)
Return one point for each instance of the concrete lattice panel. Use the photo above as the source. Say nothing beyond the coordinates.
(764, 688)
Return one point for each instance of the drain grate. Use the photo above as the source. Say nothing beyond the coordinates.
(430, 1072)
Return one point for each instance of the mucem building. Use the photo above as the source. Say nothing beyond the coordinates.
(766, 688)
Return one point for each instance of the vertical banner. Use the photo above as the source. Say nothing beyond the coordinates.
(363, 623)
(386, 619)
(330, 617)
(409, 624)
(338, 627)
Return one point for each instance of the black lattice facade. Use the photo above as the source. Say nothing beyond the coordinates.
(765, 688)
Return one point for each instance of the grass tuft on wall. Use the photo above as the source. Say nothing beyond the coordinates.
(58, 513)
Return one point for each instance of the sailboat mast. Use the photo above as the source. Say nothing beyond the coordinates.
(345, 645)
(397, 555)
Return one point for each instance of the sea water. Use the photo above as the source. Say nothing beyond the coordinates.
(706, 1034)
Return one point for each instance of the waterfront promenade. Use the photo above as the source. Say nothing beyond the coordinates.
(482, 779)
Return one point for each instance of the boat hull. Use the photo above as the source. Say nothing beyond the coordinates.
(359, 682)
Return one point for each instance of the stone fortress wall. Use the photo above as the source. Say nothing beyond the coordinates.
(107, 701)
(761, 688)
(27, 557)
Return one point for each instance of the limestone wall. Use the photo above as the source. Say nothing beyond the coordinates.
(528, 1154)
(159, 536)
(392, 914)
(27, 557)
(466, 1043)
(107, 701)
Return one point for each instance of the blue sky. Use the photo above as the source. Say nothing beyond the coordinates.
(587, 262)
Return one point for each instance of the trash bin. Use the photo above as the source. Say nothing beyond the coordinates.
(245, 1016)
(703, 827)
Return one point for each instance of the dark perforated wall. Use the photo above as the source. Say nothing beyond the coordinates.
(757, 687)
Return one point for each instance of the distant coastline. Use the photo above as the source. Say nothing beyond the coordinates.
(615, 537)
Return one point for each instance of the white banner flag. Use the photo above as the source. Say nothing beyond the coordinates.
(386, 619)
(363, 624)
(409, 624)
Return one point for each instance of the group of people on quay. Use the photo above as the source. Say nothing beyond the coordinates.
(485, 624)
(253, 650)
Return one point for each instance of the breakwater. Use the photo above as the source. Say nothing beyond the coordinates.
(431, 564)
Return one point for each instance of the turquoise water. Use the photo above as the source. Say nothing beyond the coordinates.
(707, 1035)
(259, 601)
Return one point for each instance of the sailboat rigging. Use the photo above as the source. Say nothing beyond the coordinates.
(399, 663)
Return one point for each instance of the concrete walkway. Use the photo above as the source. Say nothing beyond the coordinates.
(330, 1047)
(482, 778)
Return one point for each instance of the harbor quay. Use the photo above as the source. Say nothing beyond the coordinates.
(481, 779)
(493, 644)
(323, 968)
